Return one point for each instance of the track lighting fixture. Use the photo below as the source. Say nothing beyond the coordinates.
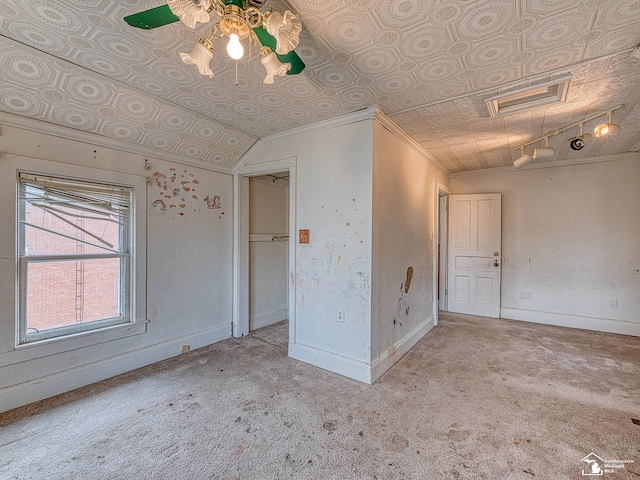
(608, 128)
(576, 143)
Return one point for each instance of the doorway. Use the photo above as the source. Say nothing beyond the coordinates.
(439, 248)
(242, 316)
(474, 254)
(268, 250)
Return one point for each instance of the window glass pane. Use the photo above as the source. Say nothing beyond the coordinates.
(72, 292)
(71, 232)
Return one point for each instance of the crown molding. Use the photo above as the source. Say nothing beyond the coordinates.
(370, 113)
(560, 163)
(364, 114)
(95, 139)
(393, 128)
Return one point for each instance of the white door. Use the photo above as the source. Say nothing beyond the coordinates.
(474, 254)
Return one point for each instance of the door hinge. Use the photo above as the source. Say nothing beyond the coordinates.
(446, 291)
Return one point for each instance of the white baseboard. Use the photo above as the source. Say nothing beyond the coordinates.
(355, 369)
(396, 352)
(572, 321)
(269, 318)
(348, 367)
(41, 388)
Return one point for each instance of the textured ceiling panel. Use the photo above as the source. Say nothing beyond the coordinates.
(429, 64)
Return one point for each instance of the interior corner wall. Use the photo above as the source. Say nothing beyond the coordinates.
(332, 271)
(188, 269)
(404, 215)
(570, 239)
(268, 258)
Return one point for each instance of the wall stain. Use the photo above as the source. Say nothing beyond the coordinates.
(407, 282)
(402, 309)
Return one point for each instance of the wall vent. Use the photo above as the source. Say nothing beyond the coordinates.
(527, 98)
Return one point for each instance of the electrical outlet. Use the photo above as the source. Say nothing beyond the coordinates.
(613, 302)
(525, 295)
(340, 316)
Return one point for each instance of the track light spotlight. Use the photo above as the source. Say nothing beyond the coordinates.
(522, 160)
(543, 152)
(609, 128)
(578, 143)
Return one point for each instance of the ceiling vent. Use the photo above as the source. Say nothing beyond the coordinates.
(530, 97)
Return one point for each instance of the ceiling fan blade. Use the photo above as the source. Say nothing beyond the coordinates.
(268, 40)
(156, 17)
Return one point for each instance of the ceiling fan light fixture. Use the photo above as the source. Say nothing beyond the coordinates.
(190, 12)
(285, 28)
(272, 65)
(239, 20)
(200, 56)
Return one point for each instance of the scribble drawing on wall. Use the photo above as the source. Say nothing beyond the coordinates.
(177, 188)
(161, 205)
(213, 203)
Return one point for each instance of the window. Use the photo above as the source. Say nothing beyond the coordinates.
(74, 256)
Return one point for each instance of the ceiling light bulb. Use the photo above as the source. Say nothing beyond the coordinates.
(601, 130)
(234, 47)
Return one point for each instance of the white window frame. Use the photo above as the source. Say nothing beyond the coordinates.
(127, 252)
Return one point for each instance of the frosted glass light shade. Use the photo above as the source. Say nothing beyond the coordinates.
(189, 12)
(200, 56)
(286, 30)
(272, 65)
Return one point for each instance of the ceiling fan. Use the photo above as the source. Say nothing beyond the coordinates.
(278, 34)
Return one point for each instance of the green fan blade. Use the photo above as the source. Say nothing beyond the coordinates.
(156, 17)
(267, 40)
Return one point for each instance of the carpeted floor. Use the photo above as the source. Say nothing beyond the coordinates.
(477, 398)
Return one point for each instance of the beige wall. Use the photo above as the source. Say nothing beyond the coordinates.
(571, 237)
(404, 228)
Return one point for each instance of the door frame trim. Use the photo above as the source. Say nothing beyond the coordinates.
(240, 312)
(440, 190)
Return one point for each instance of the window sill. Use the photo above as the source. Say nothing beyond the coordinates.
(53, 346)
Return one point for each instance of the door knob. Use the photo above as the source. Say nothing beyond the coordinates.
(495, 254)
